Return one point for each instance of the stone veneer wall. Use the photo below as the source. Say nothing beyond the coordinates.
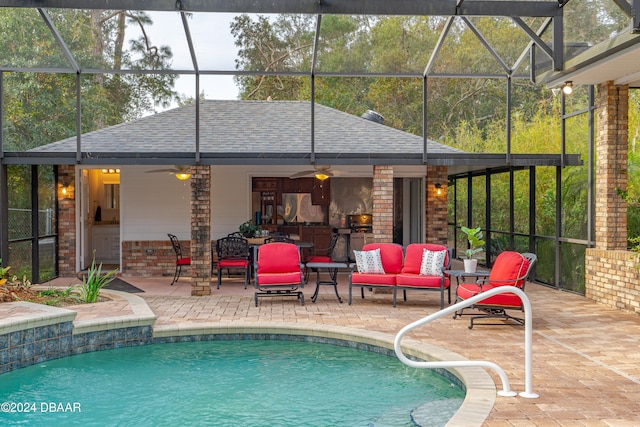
(436, 228)
(383, 204)
(611, 274)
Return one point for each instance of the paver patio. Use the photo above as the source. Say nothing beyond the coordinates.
(586, 364)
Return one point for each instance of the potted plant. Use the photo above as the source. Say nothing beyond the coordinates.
(249, 228)
(476, 244)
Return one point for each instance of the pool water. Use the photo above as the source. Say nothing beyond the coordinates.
(228, 383)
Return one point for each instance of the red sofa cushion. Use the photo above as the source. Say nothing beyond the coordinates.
(507, 268)
(373, 279)
(413, 256)
(391, 255)
(417, 281)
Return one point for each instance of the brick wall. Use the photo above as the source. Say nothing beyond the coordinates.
(66, 222)
(611, 166)
(201, 230)
(436, 206)
(383, 203)
(151, 258)
(611, 273)
(612, 278)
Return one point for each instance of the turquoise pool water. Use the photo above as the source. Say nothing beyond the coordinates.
(227, 383)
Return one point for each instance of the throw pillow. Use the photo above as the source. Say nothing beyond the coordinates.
(369, 261)
(432, 262)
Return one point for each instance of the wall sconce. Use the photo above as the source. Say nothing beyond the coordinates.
(438, 189)
(567, 88)
(66, 190)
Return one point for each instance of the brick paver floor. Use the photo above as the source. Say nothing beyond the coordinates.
(586, 363)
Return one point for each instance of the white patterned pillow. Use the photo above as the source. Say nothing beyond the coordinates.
(369, 261)
(432, 262)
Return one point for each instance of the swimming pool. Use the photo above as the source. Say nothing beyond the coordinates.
(229, 382)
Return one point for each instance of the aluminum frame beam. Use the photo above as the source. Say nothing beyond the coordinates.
(314, 7)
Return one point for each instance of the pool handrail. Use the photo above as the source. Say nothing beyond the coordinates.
(528, 325)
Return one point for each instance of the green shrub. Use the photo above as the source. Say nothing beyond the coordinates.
(94, 281)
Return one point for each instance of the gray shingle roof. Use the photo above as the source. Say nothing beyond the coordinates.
(228, 126)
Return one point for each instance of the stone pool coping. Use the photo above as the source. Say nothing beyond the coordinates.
(480, 394)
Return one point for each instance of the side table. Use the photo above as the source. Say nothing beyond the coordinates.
(332, 268)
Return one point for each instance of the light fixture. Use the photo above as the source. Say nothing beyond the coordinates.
(183, 176)
(567, 88)
(110, 170)
(321, 176)
(66, 190)
(438, 189)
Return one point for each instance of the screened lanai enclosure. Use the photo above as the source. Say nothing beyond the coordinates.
(487, 78)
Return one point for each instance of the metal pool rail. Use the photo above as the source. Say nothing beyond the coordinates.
(528, 329)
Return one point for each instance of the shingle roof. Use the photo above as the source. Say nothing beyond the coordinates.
(228, 126)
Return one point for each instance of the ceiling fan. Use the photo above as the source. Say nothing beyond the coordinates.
(181, 172)
(320, 172)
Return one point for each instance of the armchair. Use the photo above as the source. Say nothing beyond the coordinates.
(509, 269)
(278, 271)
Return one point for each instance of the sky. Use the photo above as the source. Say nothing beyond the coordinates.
(214, 47)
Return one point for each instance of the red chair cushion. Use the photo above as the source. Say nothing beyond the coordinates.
(231, 263)
(413, 256)
(278, 258)
(318, 258)
(417, 281)
(183, 261)
(468, 290)
(373, 279)
(507, 268)
(293, 278)
(390, 254)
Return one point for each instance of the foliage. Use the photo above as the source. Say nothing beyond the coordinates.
(94, 281)
(476, 244)
(53, 296)
(41, 108)
(249, 228)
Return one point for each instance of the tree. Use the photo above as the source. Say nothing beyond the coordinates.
(41, 108)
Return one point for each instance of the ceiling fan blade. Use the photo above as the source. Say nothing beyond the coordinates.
(172, 170)
(301, 174)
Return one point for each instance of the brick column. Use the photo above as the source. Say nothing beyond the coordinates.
(201, 230)
(436, 207)
(67, 221)
(611, 166)
(611, 273)
(383, 204)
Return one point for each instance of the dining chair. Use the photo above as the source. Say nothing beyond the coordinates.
(233, 254)
(180, 259)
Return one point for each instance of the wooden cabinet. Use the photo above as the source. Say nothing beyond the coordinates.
(321, 192)
(305, 185)
(288, 185)
(264, 184)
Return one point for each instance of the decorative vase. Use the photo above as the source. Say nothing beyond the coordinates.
(470, 265)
